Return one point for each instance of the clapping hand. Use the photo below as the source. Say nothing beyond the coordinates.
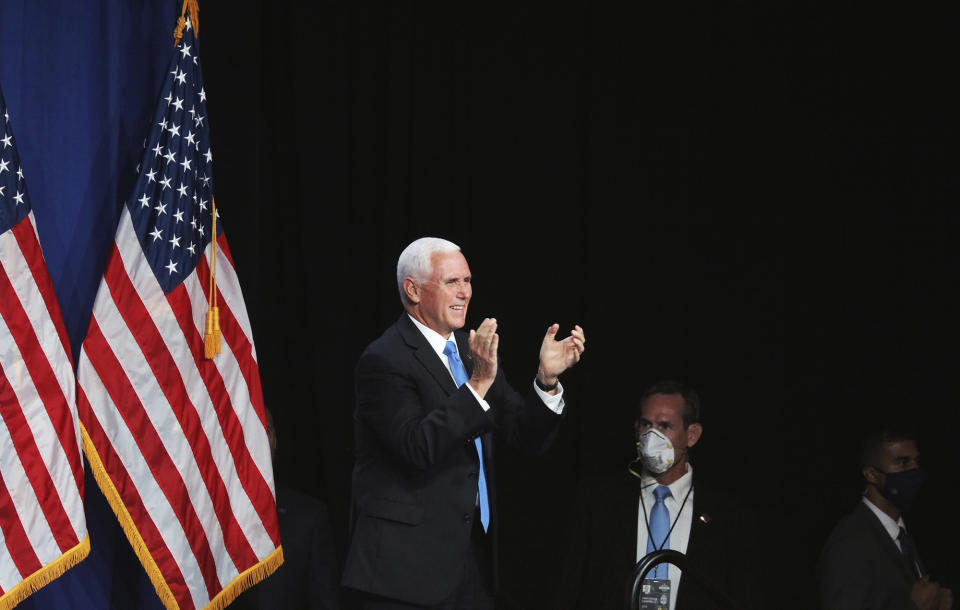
(483, 349)
(558, 356)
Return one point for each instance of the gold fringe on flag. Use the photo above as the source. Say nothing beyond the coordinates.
(211, 338)
(45, 575)
(247, 579)
(126, 522)
(238, 585)
(182, 21)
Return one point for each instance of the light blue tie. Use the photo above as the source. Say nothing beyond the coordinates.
(659, 528)
(460, 376)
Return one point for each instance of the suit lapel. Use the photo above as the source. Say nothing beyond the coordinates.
(463, 346)
(700, 530)
(889, 546)
(424, 354)
(428, 358)
(632, 520)
(709, 521)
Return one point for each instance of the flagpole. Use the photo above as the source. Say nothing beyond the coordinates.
(211, 336)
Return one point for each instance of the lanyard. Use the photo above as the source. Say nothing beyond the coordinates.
(646, 519)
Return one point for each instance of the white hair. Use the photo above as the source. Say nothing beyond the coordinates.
(416, 260)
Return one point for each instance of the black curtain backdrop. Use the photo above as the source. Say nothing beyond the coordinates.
(759, 199)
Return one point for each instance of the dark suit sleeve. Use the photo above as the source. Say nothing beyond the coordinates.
(390, 403)
(524, 422)
(845, 577)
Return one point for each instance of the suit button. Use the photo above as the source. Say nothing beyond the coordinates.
(466, 518)
(472, 474)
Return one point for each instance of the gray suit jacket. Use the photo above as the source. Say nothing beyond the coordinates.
(861, 567)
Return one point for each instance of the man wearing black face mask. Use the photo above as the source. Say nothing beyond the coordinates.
(870, 560)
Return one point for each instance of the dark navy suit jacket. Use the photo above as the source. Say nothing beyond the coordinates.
(601, 548)
(415, 472)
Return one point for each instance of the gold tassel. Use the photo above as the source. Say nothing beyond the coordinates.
(211, 338)
(182, 21)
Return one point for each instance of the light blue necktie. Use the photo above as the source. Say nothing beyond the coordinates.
(659, 528)
(460, 376)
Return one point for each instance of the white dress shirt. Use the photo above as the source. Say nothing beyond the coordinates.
(680, 535)
(892, 527)
(438, 342)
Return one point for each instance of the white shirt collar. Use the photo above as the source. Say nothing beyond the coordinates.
(435, 339)
(892, 527)
(678, 489)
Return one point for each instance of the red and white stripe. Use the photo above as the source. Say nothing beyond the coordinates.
(183, 439)
(41, 471)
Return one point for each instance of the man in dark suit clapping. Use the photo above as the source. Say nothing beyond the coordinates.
(430, 399)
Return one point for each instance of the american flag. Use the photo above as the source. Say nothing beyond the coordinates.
(177, 442)
(42, 527)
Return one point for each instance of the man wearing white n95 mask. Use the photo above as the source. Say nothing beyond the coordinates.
(656, 505)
